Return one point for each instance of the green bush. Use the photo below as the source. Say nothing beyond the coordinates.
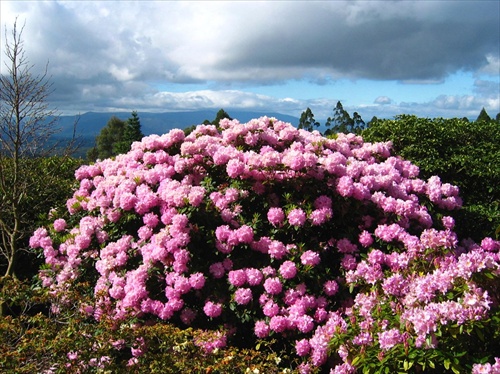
(463, 153)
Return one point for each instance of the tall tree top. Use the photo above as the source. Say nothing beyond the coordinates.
(483, 116)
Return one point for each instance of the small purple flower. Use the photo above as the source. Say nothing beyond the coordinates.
(217, 270)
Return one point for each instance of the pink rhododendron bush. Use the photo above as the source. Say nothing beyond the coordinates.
(332, 248)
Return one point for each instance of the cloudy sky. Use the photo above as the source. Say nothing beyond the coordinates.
(429, 58)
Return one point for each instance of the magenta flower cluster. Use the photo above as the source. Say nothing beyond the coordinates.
(261, 223)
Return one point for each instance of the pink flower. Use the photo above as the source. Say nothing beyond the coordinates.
(448, 222)
(288, 270)
(235, 168)
(365, 239)
(310, 258)
(278, 323)
(296, 217)
(212, 310)
(270, 308)
(261, 329)
(197, 280)
(330, 287)
(302, 347)
(254, 276)
(245, 234)
(277, 249)
(217, 270)
(345, 186)
(150, 220)
(273, 286)
(388, 339)
(59, 224)
(376, 256)
(488, 244)
(304, 323)
(276, 216)
(320, 216)
(237, 277)
(243, 296)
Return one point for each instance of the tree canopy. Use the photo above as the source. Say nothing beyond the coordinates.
(116, 137)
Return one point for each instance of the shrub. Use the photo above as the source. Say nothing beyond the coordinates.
(332, 248)
(462, 153)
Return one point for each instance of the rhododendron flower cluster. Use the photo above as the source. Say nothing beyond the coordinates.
(264, 227)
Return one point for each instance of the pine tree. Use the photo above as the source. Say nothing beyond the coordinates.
(131, 133)
(221, 114)
(483, 116)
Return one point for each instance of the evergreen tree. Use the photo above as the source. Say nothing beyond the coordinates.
(307, 121)
(131, 133)
(221, 114)
(372, 121)
(483, 116)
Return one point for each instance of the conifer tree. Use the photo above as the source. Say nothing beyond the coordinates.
(131, 133)
(483, 116)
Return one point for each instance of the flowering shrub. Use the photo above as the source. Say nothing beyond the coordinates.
(332, 247)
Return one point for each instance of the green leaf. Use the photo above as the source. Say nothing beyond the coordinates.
(446, 364)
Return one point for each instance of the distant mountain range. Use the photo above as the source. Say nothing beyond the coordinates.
(90, 124)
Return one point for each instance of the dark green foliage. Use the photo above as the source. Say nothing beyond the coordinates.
(221, 114)
(47, 182)
(68, 342)
(116, 137)
(483, 116)
(463, 153)
(307, 121)
(131, 133)
(342, 121)
(111, 134)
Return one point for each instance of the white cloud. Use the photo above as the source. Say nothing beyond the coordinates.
(116, 54)
(492, 66)
(383, 100)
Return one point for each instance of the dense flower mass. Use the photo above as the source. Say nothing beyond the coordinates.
(266, 227)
